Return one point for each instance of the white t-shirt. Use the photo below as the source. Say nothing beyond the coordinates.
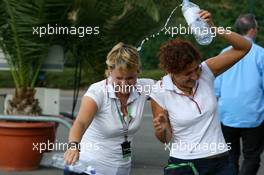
(104, 136)
(196, 127)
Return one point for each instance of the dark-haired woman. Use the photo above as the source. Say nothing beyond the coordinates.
(185, 107)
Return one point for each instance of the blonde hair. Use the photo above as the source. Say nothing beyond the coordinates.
(124, 57)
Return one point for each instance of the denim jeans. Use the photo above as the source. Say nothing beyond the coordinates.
(204, 166)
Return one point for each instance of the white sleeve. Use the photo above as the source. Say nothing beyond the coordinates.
(145, 86)
(206, 71)
(96, 93)
(157, 95)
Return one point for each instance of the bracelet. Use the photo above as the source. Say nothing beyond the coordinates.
(74, 145)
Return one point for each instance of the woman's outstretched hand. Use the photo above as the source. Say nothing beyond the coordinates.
(161, 122)
(71, 156)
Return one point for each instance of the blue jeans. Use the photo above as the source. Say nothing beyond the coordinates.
(204, 166)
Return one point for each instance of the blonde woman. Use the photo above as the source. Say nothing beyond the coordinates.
(110, 114)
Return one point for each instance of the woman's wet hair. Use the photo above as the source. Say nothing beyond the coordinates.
(176, 55)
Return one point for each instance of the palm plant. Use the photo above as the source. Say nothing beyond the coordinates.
(119, 20)
(24, 51)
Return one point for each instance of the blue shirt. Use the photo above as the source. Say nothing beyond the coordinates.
(240, 91)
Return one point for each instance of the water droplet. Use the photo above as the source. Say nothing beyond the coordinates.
(162, 29)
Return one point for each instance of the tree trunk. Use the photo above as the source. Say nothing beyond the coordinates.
(23, 103)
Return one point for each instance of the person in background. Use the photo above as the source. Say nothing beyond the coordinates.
(240, 92)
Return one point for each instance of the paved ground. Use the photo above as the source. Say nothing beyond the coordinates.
(149, 154)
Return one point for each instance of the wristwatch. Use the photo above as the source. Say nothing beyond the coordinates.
(74, 146)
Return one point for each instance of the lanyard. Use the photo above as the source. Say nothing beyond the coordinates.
(125, 123)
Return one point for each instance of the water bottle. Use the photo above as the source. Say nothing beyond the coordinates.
(80, 167)
(200, 29)
(57, 161)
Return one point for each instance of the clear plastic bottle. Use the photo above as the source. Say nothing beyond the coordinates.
(57, 161)
(81, 167)
(200, 29)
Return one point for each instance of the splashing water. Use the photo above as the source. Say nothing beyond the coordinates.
(161, 30)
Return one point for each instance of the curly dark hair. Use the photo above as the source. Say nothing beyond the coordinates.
(175, 55)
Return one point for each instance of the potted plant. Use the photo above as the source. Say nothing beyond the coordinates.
(25, 51)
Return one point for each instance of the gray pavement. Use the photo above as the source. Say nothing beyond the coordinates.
(149, 156)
